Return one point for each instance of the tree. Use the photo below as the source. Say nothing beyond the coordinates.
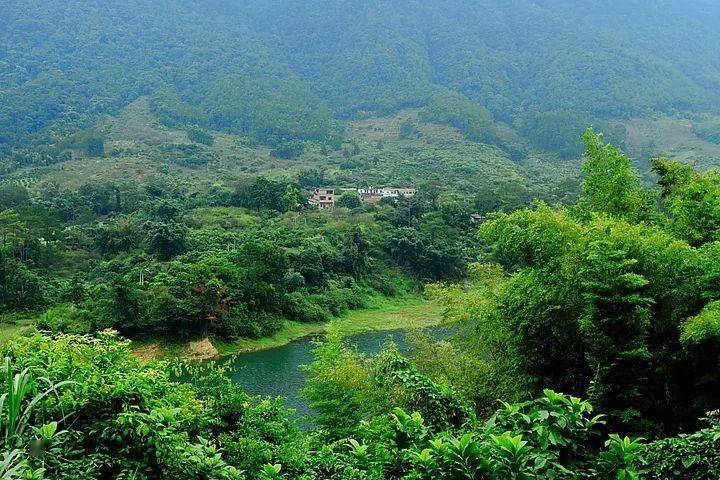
(355, 251)
(289, 149)
(556, 131)
(292, 199)
(103, 197)
(615, 326)
(165, 239)
(312, 178)
(12, 195)
(349, 200)
(263, 193)
(693, 200)
(198, 135)
(94, 146)
(428, 258)
(611, 185)
(595, 306)
(454, 109)
(20, 287)
(165, 210)
(407, 130)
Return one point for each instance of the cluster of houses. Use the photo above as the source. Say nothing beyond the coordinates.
(323, 198)
(326, 197)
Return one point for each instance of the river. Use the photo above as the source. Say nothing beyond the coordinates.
(277, 371)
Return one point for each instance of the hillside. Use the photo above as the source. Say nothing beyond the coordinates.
(279, 70)
(614, 299)
(139, 149)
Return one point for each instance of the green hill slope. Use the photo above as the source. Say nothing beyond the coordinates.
(279, 70)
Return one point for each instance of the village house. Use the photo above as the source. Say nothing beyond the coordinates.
(373, 195)
(323, 198)
(477, 219)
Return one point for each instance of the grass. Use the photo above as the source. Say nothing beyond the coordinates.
(407, 314)
(290, 331)
(671, 137)
(12, 327)
(382, 315)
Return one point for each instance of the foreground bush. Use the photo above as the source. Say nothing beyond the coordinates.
(78, 407)
(109, 416)
(690, 457)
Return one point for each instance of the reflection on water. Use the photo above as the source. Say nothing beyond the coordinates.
(277, 372)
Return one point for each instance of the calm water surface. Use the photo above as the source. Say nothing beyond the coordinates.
(276, 372)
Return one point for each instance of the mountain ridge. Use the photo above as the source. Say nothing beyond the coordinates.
(283, 69)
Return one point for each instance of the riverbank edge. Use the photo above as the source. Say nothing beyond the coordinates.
(392, 314)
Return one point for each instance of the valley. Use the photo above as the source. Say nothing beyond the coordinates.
(359, 240)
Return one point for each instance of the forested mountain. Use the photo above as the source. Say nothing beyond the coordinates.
(164, 176)
(284, 69)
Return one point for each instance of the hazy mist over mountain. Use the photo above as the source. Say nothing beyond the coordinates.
(282, 69)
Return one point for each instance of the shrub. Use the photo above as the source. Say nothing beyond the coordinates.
(299, 307)
(349, 200)
(243, 322)
(688, 457)
(94, 146)
(12, 195)
(288, 149)
(122, 418)
(199, 135)
(548, 438)
(439, 404)
(65, 318)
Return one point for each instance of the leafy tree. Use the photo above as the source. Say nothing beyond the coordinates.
(355, 251)
(312, 178)
(693, 200)
(289, 149)
(199, 135)
(430, 259)
(94, 146)
(103, 198)
(611, 185)
(262, 193)
(407, 130)
(165, 239)
(12, 195)
(615, 327)
(165, 210)
(20, 287)
(556, 131)
(339, 389)
(349, 200)
(458, 111)
(120, 235)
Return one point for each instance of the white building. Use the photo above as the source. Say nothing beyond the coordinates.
(323, 198)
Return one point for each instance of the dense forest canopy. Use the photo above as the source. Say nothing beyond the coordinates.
(279, 70)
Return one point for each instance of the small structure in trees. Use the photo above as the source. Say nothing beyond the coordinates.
(323, 198)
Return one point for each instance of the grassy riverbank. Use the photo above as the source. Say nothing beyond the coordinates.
(391, 314)
(380, 315)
